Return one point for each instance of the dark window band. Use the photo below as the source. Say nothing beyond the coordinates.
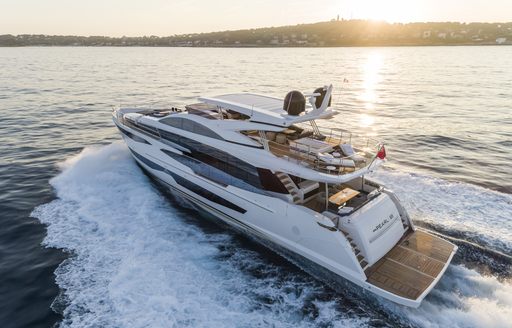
(260, 178)
(216, 158)
(146, 161)
(210, 172)
(190, 185)
(191, 126)
(206, 193)
(132, 136)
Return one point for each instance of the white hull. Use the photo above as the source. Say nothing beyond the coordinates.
(294, 229)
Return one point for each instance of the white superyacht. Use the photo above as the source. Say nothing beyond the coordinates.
(264, 166)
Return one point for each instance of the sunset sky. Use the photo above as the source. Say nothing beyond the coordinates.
(168, 17)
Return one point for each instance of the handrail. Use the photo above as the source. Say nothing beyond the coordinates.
(365, 151)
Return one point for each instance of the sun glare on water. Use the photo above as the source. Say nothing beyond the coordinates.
(371, 79)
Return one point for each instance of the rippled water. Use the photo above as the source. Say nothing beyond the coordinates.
(132, 257)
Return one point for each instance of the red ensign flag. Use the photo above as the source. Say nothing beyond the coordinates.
(382, 152)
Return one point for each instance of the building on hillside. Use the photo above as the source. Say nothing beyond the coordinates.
(501, 40)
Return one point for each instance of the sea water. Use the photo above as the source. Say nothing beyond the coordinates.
(89, 241)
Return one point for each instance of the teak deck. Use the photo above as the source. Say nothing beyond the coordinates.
(410, 267)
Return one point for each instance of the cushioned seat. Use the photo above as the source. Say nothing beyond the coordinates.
(281, 138)
(271, 136)
(331, 160)
(348, 151)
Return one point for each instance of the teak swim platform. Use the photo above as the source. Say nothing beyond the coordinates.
(410, 267)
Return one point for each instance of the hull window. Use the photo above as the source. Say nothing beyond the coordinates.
(146, 161)
(132, 136)
(190, 185)
(206, 193)
(211, 172)
(217, 158)
(191, 126)
(148, 130)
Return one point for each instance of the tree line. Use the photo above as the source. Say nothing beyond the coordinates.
(332, 33)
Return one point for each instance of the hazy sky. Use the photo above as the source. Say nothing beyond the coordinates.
(168, 17)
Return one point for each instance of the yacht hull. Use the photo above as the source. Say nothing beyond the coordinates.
(303, 236)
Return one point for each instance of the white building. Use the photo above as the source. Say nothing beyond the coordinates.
(501, 40)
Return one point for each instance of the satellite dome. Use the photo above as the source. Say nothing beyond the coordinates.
(294, 103)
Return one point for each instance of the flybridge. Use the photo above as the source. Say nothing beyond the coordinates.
(270, 110)
(280, 126)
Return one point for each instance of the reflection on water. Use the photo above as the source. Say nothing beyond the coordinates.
(369, 96)
(439, 113)
(371, 77)
(366, 120)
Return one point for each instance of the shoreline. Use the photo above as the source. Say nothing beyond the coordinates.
(262, 46)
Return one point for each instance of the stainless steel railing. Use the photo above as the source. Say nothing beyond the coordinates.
(365, 150)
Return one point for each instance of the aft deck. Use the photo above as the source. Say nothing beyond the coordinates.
(410, 267)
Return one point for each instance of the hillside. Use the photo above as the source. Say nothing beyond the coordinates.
(331, 34)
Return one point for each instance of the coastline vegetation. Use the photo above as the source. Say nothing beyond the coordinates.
(333, 33)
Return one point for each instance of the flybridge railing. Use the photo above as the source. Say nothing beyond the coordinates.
(317, 152)
(342, 136)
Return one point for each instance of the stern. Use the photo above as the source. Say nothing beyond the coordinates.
(411, 269)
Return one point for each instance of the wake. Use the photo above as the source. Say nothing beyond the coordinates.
(137, 261)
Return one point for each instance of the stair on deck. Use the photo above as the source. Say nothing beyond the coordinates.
(360, 257)
(290, 186)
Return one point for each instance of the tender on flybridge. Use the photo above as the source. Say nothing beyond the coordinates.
(264, 166)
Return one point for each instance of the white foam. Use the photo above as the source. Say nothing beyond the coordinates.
(463, 298)
(468, 208)
(137, 263)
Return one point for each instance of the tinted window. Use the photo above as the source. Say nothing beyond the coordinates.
(212, 172)
(206, 193)
(190, 185)
(175, 122)
(132, 136)
(189, 125)
(204, 131)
